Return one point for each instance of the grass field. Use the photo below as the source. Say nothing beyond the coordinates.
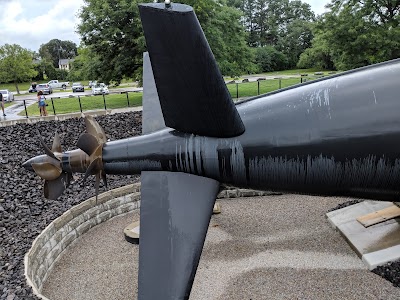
(250, 89)
(69, 105)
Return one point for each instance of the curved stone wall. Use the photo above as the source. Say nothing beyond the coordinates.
(59, 234)
(48, 247)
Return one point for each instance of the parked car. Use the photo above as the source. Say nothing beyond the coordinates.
(77, 87)
(55, 84)
(7, 95)
(45, 88)
(99, 89)
(32, 88)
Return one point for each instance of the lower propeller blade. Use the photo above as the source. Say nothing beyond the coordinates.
(54, 188)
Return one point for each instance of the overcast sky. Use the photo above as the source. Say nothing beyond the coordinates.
(30, 23)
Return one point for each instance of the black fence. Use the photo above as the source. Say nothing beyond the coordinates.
(80, 103)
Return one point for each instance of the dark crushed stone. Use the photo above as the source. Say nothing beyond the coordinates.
(345, 204)
(390, 271)
(24, 212)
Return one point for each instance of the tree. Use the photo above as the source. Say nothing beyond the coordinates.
(269, 20)
(16, 64)
(269, 59)
(56, 49)
(112, 30)
(358, 33)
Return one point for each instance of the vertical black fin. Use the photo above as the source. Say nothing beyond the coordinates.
(174, 216)
(192, 91)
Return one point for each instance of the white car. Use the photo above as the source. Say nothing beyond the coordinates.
(7, 95)
(99, 89)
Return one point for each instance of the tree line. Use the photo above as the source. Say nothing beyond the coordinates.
(246, 36)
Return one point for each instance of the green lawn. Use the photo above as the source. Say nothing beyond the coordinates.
(250, 89)
(68, 105)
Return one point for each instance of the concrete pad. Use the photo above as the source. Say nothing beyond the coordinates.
(377, 244)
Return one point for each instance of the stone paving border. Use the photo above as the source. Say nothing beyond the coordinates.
(51, 243)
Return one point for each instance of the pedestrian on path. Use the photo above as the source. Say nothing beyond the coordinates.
(2, 103)
(42, 104)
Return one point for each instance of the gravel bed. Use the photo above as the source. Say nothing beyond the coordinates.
(24, 212)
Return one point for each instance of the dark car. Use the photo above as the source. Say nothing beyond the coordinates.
(45, 88)
(32, 88)
(77, 87)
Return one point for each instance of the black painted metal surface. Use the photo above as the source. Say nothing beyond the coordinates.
(337, 136)
(192, 92)
(174, 215)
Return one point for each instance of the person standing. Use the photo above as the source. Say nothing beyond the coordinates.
(42, 104)
(2, 103)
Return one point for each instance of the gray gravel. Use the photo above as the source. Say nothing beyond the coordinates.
(274, 247)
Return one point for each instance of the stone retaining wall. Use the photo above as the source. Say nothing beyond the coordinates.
(48, 247)
(58, 235)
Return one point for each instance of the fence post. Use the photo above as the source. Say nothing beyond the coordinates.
(26, 111)
(52, 104)
(80, 105)
(127, 97)
(237, 90)
(104, 100)
(280, 83)
(258, 87)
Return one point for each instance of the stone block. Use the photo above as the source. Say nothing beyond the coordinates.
(81, 208)
(231, 193)
(104, 216)
(246, 193)
(75, 222)
(68, 239)
(113, 203)
(221, 194)
(84, 227)
(63, 220)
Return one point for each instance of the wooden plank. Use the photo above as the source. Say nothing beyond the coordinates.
(380, 216)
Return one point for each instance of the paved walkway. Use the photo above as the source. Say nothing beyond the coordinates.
(273, 247)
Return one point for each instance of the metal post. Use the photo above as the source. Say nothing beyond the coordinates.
(258, 87)
(52, 104)
(80, 105)
(104, 100)
(280, 83)
(127, 97)
(301, 79)
(26, 111)
(237, 90)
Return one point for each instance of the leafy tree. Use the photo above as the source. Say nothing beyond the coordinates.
(269, 59)
(56, 49)
(16, 64)
(269, 20)
(112, 30)
(358, 33)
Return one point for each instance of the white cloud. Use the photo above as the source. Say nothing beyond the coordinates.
(34, 23)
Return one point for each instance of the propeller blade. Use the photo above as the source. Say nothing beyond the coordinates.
(47, 170)
(56, 144)
(54, 188)
(95, 129)
(88, 143)
(46, 149)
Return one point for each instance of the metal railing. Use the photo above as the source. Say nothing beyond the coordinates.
(51, 102)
